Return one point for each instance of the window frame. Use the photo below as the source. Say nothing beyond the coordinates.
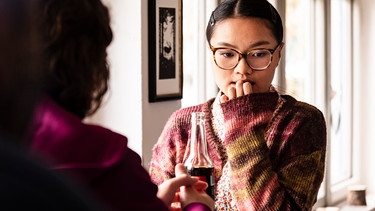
(336, 193)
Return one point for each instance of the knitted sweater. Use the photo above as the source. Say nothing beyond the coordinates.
(275, 148)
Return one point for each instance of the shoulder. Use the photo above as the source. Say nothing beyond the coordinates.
(302, 109)
(62, 136)
(302, 124)
(303, 120)
(50, 117)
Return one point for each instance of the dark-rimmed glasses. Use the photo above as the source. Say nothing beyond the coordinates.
(257, 59)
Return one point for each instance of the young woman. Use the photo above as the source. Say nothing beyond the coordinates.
(268, 149)
(75, 37)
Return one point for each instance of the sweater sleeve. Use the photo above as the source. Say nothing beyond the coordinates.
(257, 182)
(170, 147)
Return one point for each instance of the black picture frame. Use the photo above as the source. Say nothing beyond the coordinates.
(165, 50)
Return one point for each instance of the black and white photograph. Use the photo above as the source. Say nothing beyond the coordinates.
(167, 43)
(165, 50)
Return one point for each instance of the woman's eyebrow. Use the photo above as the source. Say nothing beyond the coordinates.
(259, 43)
(225, 44)
(253, 45)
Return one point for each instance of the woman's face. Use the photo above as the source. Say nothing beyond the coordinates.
(243, 35)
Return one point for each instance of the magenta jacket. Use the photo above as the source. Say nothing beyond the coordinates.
(96, 157)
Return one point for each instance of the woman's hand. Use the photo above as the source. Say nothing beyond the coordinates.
(242, 88)
(196, 193)
(188, 188)
(167, 190)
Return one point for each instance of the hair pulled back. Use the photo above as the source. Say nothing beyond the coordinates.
(246, 8)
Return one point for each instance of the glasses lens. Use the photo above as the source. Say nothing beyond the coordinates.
(259, 59)
(226, 58)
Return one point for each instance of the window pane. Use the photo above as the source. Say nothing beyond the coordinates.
(298, 70)
(199, 84)
(190, 33)
(341, 144)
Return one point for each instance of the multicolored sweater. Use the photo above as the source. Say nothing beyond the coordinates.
(274, 146)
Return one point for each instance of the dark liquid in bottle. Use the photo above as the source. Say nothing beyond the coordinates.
(205, 174)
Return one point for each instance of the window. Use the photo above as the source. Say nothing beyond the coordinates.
(311, 63)
(198, 83)
(340, 79)
(340, 95)
(298, 49)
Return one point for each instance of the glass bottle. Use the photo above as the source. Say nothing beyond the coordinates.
(198, 163)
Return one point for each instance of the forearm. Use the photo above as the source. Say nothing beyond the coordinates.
(293, 187)
(252, 175)
(169, 150)
(271, 174)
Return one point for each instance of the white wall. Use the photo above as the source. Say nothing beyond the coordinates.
(364, 79)
(127, 110)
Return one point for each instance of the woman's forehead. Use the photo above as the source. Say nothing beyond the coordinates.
(242, 30)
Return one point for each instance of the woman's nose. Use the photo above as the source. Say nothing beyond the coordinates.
(242, 67)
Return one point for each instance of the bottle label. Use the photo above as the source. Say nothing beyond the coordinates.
(206, 175)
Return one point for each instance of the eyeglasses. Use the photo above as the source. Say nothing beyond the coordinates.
(257, 59)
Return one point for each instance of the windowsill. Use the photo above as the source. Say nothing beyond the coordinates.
(342, 206)
(357, 208)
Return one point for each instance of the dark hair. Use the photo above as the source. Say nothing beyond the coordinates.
(246, 8)
(76, 35)
(19, 71)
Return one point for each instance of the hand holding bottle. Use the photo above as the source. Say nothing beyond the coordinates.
(184, 190)
(167, 190)
(194, 193)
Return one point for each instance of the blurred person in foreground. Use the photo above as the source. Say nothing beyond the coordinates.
(25, 183)
(75, 37)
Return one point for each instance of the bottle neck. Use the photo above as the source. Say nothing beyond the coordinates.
(198, 155)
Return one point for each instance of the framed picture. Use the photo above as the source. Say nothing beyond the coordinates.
(165, 49)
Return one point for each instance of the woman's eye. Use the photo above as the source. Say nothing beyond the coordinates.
(259, 54)
(226, 53)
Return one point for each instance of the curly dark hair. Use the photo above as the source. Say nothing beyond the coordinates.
(76, 34)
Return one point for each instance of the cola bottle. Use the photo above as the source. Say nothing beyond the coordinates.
(198, 163)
